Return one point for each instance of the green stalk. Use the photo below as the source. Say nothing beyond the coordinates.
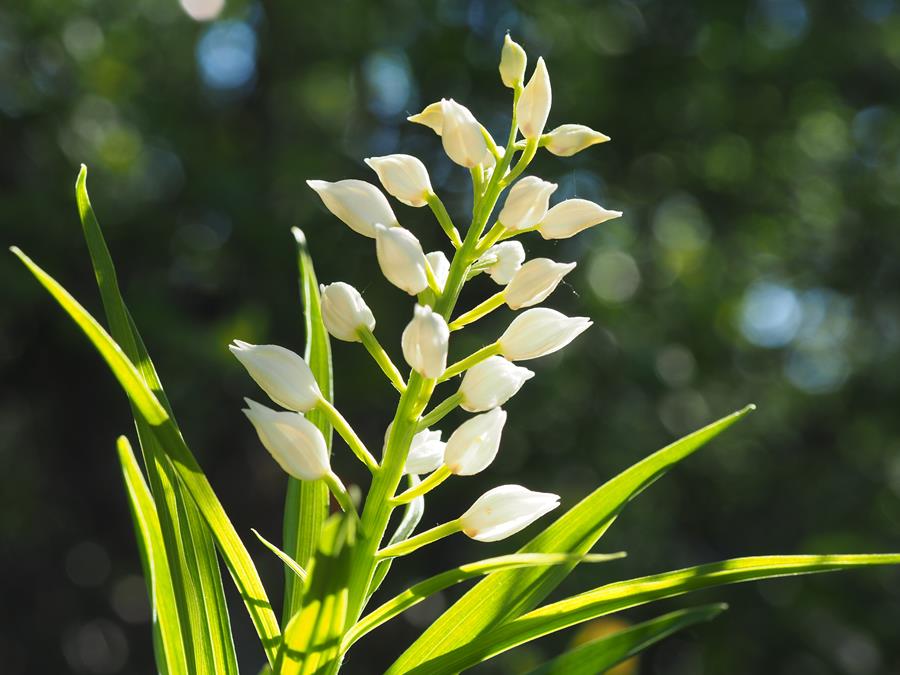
(478, 311)
(421, 539)
(436, 478)
(370, 342)
(346, 431)
(471, 360)
(443, 218)
(440, 411)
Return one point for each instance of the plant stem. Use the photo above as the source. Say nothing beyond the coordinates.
(478, 311)
(422, 539)
(370, 342)
(492, 237)
(346, 431)
(443, 218)
(440, 411)
(436, 477)
(340, 492)
(471, 360)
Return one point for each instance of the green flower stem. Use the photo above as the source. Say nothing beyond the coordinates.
(378, 507)
(370, 342)
(432, 481)
(495, 234)
(531, 147)
(420, 540)
(440, 411)
(346, 431)
(515, 233)
(471, 360)
(491, 145)
(478, 311)
(477, 179)
(339, 491)
(443, 218)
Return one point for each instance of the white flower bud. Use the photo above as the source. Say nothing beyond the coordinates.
(570, 217)
(512, 63)
(404, 177)
(426, 452)
(432, 117)
(534, 103)
(567, 139)
(461, 135)
(526, 204)
(425, 340)
(440, 266)
(358, 203)
(344, 311)
(474, 444)
(534, 281)
(505, 510)
(509, 256)
(401, 258)
(491, 383)
(293, 441)
(540, 331)
(279, 372)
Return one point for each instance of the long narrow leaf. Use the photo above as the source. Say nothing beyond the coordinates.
(424, 589)
(289, 562)
(197, 580)
(506, 595)
(624, 594)
(170, 656)
(306, 505)
(601, 654)
(229, 543)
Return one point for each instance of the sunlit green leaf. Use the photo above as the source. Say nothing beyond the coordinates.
(624, 594)
(600, 654)
(229, 543)
(170, 655)
(424, 589)
(291, 564)
(505, 595)
(306, 506)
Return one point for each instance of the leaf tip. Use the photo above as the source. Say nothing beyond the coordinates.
(750, 407)
(299, 237)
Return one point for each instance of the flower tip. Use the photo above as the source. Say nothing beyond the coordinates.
(318, 185)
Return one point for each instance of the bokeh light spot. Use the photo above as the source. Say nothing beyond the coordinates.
(614, 276)
(203, 10)
(388, 83)
(770, 314)
(226, 55)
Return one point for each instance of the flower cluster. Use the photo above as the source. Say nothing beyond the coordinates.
(490, 376)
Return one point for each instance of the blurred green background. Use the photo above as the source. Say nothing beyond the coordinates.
(755, 154)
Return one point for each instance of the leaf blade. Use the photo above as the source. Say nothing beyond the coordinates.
(597, 656)
(236, 557)
(505, 595)
(170, 652)
(306, 503)
(631, 593)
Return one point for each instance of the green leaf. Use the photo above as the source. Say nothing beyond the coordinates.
(624, 594)
(506, 595)
(236, 557)
(170, 654)
(419, 592)
(312, 637)
(196, 578)
(291, 564)
(597, 656)
(306, 505)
